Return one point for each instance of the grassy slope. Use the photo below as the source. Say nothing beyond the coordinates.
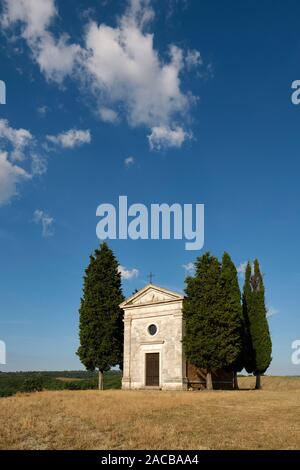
(113, 419)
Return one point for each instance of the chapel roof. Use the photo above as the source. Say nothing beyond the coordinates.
(151, 294)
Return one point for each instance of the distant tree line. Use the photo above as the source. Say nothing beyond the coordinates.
(224, 329)
(16, 382)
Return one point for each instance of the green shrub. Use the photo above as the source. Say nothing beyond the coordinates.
(32, 384)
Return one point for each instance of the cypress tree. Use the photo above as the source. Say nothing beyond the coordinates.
(230, 318)
(259, 327)
(100, 325)
(200, 312)
(258, 344)
(248, 353)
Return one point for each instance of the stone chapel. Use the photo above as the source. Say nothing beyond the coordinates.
(153, 350)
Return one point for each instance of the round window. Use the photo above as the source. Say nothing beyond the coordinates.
(152, 329)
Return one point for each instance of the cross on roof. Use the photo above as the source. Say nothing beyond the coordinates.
(150, 276)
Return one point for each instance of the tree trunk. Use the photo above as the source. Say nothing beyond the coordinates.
(209, 385)
(258, 382)
(100, 380)
(235, 381)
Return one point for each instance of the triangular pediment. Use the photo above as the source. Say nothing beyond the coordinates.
(151, 294)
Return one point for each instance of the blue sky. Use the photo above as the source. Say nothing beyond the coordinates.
(197, 95)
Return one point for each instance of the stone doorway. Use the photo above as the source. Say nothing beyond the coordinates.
(152, 370)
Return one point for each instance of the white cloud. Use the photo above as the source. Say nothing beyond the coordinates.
(129, 161)
(139, 11)
(19, 145)
(19, 139)
(193, 59)
(42, 110)
(124, 67)
(38, 165)
(70, 139)
(108, 115)
(15, 145)
(55, 57)
(189, 268)
(272, 311)
(128, 273)
(163, 137)
(35, 15)
(119, 66)
(46, 222)
(10, 176)
(242, 268)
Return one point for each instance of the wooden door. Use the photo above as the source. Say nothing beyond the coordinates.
(152, 369)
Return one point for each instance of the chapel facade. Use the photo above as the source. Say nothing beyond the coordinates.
(153, 350)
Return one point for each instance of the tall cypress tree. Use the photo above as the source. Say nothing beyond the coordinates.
(200, 312)
(259, 345)
(259, 327)
(230, 318)
(100, 325)
(248, 353)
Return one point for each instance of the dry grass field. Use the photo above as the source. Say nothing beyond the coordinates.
(114, 419)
